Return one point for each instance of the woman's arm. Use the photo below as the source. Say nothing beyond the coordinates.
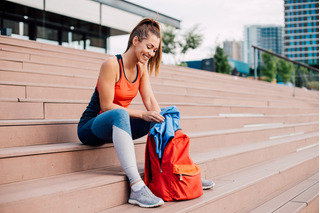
(146, 92)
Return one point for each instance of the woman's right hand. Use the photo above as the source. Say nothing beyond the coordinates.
(152, 116)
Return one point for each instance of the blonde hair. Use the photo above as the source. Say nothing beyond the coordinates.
(142, 30)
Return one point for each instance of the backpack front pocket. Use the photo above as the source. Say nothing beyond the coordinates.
(186, 170)
(187, 182)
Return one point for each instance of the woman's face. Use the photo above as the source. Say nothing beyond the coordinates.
(147, 48)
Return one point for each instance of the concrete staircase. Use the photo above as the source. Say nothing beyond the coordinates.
(257, 142)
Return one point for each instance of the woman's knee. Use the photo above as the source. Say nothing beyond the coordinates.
(121, 119)
(120, 114)
(103, 123)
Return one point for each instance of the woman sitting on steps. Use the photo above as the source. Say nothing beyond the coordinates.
(107, 118)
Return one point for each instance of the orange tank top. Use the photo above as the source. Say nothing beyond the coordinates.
(124, 90)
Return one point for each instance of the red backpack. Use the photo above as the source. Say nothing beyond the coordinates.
(178, 177)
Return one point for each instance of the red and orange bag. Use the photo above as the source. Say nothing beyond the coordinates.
(176, 177)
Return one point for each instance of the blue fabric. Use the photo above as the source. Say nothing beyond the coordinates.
(98, 130)
(163, 132)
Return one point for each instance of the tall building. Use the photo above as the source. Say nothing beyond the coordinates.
(301, 36)
(81, 24)
(233, 49)
(265, 36)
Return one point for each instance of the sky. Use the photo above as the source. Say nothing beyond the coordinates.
(218, 20)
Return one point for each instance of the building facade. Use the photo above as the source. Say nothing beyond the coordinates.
(268, 37)
(80, 24)
(301, 34)
(233, 49)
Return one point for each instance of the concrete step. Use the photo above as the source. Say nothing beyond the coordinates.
(227, 160)
(48, 59)
(243, 87)
(22, 132)
(38, 68)
(66, 92)
(262, 136)
(6, 49)
(33, 45)
(227, 79)
(55, 159)
(212, 140)
(16, 77)
(306, 202)
(245, 188)
(32, 48)
(17, 133)
(225, 92)
(93, 190)
(79, 93)
(21, 46)
(49, 78)
(36, 65)
(46, 67)
(22, 109)
(32, 162)
(301, 197)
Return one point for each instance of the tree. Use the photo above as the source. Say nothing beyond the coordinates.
(284, 70)
(269, 68)
(221, 64)
(301, 76)
(191, 40)
(169, 44)
(179, 43)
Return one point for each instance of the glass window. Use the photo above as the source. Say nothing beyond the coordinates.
(95, 44)
(71, 39)
(19, 29)
(47, 35)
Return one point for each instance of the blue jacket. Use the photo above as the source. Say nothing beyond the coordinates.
(163, 132)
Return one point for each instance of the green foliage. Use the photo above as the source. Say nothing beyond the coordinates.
(284, 70)
(169, 44)
(269, 69)
(191, 40)
(273, 66)
(179, 43)
(313, 85)
(183, 64)
(221, 64)
(302, 75)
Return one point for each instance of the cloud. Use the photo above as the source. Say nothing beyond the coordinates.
(219, 20)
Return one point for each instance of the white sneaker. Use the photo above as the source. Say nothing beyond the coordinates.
(145, 198)
(207, 184)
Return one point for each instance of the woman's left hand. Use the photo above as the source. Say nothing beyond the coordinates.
(152, 116)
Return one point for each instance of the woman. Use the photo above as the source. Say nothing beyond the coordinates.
(107, 118)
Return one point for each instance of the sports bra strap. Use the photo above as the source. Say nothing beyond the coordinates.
(121, 69)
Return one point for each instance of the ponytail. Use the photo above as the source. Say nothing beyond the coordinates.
(142, 30)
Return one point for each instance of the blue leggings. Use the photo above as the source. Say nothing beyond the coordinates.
(117, 127)
(98, 130)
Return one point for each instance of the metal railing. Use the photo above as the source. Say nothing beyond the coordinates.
(303, 77)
